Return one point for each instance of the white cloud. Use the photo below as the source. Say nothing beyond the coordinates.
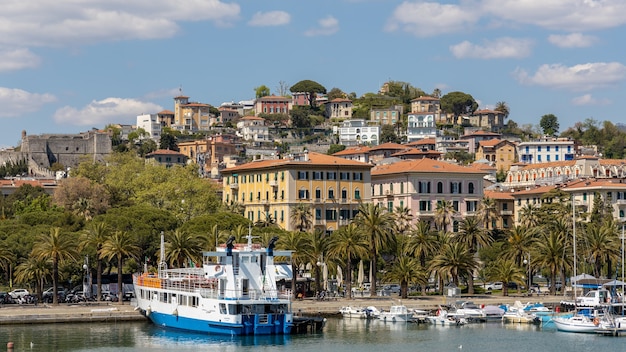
(17, 59)
(102, 112)
(16, 102)
(71, 22)
(271, 18)
(578, 77)
(566, 15)
(425, 19)
(501, 48)
(587, 99)
(573, 40)
(327, 26)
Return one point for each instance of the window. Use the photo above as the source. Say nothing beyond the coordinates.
(455, 187)
(556, 148)
(344, 214)
(357, 194)
(318, 175)
(381, 189)
(425, 205)
(390, 206)
(538, 157)
(331, 193)
(470, 188)
(357, 176)
(471, 206)
(439, 187)
(539, 148)
(455, 205)
(505, 206)
(251, 196)
(344, 193)
(548, 157)
(318, 193)
(318, 214)
(505, 222)
(401, 187)
(548, 148)
(344, 176)
(584, 196)
(423, 187)
(556, 157)
(303, 175)
(331, 214)
(303, 194)
(621, 213)
(331, 175)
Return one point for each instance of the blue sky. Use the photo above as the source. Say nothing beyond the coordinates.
(69, 65)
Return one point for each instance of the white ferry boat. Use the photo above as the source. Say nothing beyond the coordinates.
(234, 292)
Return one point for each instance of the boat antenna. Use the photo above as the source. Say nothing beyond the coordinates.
(162, 263)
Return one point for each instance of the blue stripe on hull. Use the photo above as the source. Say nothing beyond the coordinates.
(250, 325)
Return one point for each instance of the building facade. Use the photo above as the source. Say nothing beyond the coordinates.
(339, 109)
(500, 153)
(546, 150)
(357, 132)
(272, 104)
(191, 116)
(420, 126)
(252, 128)
(151, 124)
(388, 116)
(271, 189)
(210, 153)
(420, 185)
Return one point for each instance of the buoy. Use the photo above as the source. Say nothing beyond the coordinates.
(558, 309)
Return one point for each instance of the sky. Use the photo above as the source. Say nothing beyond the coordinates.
(68, 66)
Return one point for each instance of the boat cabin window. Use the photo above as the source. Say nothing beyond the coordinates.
(222, 308)
(234, 309)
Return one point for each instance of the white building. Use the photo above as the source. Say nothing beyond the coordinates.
(356, 132)
(420, 126)
(546, 150)
(252, 128)
(151, 124)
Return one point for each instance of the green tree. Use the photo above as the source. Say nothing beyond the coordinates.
(301, 246)
(347, 244)
(502, 107)
(444, 214)
(261, 91)
(507, 271)
(335, 148)
(301, 217)
(93, 238)
(120, 245)
(549, 124)
(300, 118)
(36, 270)
(181, 246)
(487, 211)
(454, 260)
(388, 134)
(168, 141)
(311, 87)
(471, 233)
(550, 253)
(407, 271)
(458, 103)
(376, 223)
(56, 246)
(336, 93)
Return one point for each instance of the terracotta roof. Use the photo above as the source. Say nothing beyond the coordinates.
(166, 112)
(248, 118)
(487, 111)
(482, 166)
(423, 165)
(490, 142)
(353, 150)
(181, 97)
(423, 141)
(33, 182)
(315, 159)
(341, 100)
(549, 164)
(498, 195)
(596, 183)
(388, 145)
(199, 105)
(274, 97)
(482, 133)
(416, 151)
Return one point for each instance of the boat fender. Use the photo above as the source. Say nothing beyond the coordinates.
(217, 268)
(596, 321)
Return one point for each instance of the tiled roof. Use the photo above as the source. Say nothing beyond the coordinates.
(166, 112)
(416, 151)
(315, 159)
(388, 145)
(249, 118)
(498, 195)
(425, 98)
(549, 164)
(423, 165)
(490, 142)
(353, 150)
(481, 133)
(486, 111)
(273, 97)
(33, 182)
(596, 183)
(422, 142)
(341, 100)
(535, 190)
(164, 152)
(482, 166)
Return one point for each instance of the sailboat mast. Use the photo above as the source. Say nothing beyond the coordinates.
(574, 238)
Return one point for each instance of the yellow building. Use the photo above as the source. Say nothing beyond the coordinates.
(270, 189)
(191, 116)
(501, 153)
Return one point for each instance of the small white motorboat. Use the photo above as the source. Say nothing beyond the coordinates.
(396, 314)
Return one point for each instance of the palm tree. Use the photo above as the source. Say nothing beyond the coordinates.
(181, 246)
(407, 271)
(57, 247)
(475, 238)
(298, 243)
(503, 108)
(33, 270)
(507, 271)
(443, 214)
(318, 243)
(211, 240)
(601, 246)
(455, 260)
(403, 218)
(120, 245)
(518, 243)
(550, 253)
(301, 217)
(487, 211)
(348, 243)
(94, 237)
(6, 258)
(528, 216)
(376, 223)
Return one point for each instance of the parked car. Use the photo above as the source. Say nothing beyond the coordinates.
(48, 294)
(534, 288)
(490, 286)
(558, 285)
(393, 288)
(19, 293)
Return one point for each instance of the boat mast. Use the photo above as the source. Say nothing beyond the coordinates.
(574, 236)
(162, 263)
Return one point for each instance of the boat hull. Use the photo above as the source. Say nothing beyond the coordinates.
(567, 325)
(250, 325)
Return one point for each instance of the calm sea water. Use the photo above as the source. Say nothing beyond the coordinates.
(340, 335)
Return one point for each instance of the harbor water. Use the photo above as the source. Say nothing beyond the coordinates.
(339, 335)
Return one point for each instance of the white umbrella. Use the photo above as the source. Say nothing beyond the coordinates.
(339, 276)
(361, 274)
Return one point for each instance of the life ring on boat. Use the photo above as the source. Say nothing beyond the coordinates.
(596, 321)
(217, 268)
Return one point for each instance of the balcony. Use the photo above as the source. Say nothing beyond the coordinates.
(620, 201)
(317, 200)
(274, 183)
(234, 186)
(506, 212)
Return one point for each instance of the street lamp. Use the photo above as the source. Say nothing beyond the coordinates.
(86, 280)
(527, 261)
